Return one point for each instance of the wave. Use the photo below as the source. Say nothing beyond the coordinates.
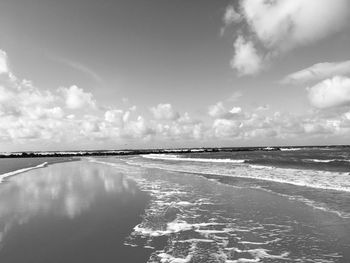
(305, 178)
(290, 149)
(325, 160)
(272, 174)
(172, 157)
(4, 176)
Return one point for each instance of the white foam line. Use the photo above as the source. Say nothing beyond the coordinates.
(304, 200)
(169, 157)
(3, 176)
(277, 180)
(325, 161)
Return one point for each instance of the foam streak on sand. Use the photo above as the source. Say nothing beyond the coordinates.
(195, 236)
(3, 176)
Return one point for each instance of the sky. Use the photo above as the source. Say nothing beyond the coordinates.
(116, 74)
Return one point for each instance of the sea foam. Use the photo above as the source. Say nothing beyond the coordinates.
(171, 157)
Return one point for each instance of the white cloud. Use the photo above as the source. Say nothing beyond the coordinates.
(37, 117)
(278, 26)
(115, 116)
(236, 110)
(226, 128)
(218, 110)
(231, 16)
(138, 129)
(330, 93)
(285, 24)
(164, 112)
(246, 59)
(318, 71)
(76, 98)
(3, 62)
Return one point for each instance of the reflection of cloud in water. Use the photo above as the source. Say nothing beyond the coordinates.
(66, 189)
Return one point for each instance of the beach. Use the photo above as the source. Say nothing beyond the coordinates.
(141, 209)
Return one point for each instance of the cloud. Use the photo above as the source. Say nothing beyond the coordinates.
(278, 26)
(236, 110)
(218, 110)
(330, 93)
(317, 72)
(139, 129)
(38, 117)
(246, 59)
(164, 112)
(285, 24)
(76, 98)
(3, 62)
(117, 117)
(226, 128)
(231, 16)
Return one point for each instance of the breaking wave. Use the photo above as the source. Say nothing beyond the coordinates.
(172, 157)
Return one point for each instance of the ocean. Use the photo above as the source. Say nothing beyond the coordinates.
(234, 207)
(317, 176)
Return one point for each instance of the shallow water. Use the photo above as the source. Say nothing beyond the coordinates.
(70, 212)
(319, 186)
(193, 219)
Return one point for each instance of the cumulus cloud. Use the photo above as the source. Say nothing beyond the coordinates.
(330, 93)
(76, 98)
(164, 112)
(32, 115)
(246, 59)
(285, 24)
(276, 27)
(115, 116)
(318, 72)
(226, 128)
(139, 129)
(218, 110)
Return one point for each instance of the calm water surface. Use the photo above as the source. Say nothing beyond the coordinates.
(70, 212)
